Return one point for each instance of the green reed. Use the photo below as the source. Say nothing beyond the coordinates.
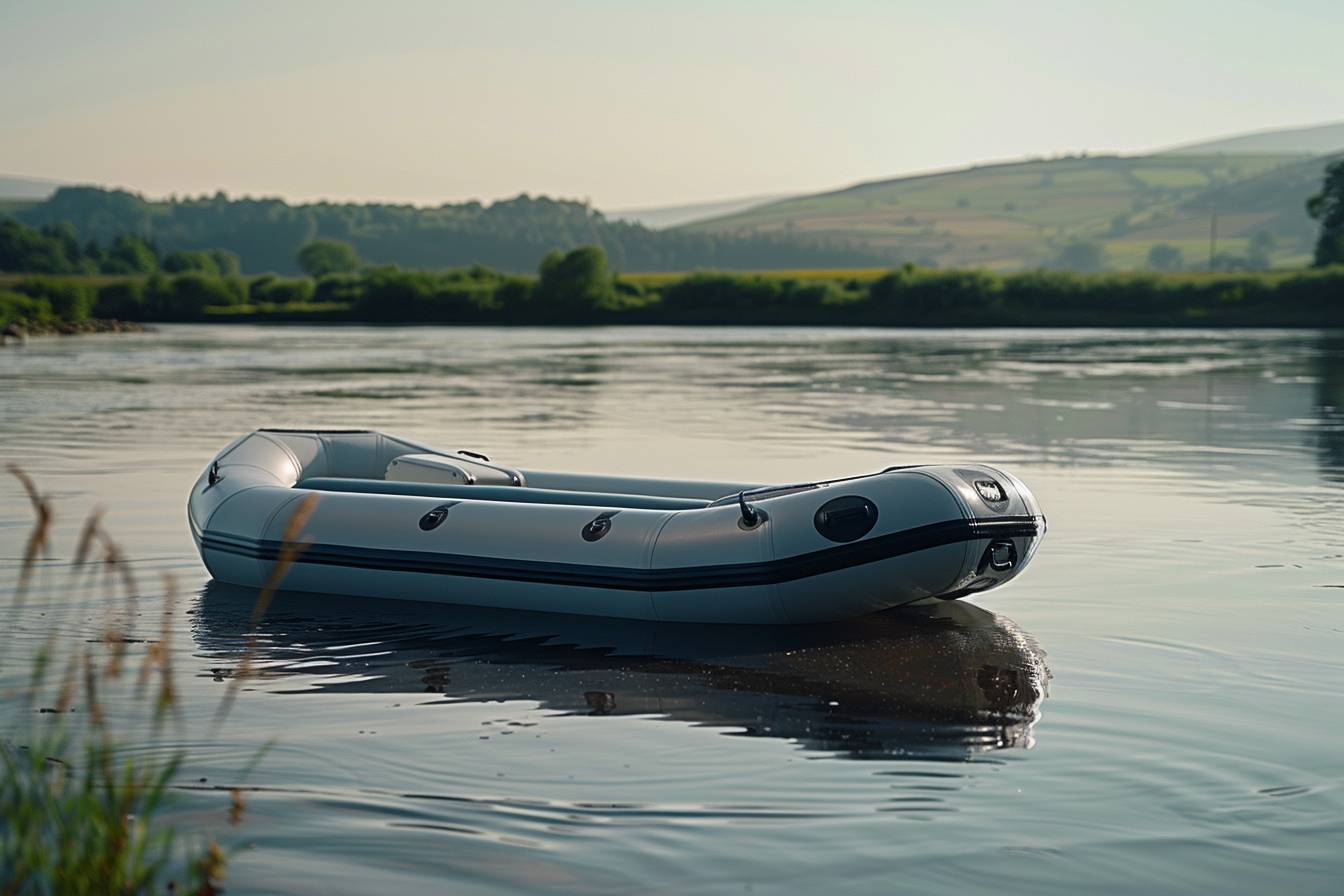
(80, 812)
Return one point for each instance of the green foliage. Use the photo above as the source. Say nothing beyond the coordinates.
(186, 296)
(1080, 255)
(577, 288)
(69, 300)
(92, 833)
(1019, 210)
(319, 312)
(226, 262)
(752, 298)
(218, 262)
(338, 288)
(389, 294)
(17, 307)
(509, 235)
(129, 254)
(121, 300)
(1327, 206)
(1165, 257)
(574, 284)
(51, 250)
(82, 814)
(274, 290)
(54, 248)
(322, 257)
(1259, 249)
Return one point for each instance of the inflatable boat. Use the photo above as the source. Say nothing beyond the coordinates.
(397, 519)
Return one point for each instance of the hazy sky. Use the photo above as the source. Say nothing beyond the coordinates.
(631, 103)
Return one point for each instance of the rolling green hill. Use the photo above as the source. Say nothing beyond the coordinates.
(1314, 139)
(511, 234)
(1024, 214)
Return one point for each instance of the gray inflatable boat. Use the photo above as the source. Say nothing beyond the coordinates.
(402, 520)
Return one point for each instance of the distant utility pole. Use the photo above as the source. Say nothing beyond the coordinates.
(1213, 237)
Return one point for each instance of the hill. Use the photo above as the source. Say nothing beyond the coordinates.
(1026, 214)
(1304, 141)
(12, 187)
(674, 215)
(510, 235)
(1315, 140)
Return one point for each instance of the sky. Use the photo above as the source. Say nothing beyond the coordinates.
(632, 103)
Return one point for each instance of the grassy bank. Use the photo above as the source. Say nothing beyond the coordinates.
(577, 289)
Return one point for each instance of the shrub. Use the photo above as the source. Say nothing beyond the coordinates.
(121, 300)
(182, 261)
(129, 254)
(423, 296)
(322, 257)
(70, 300)
(574, 284)
(273, 290)
(338, 288)
(17, 307)
(186, 296)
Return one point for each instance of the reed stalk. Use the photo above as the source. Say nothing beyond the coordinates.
(80, 813)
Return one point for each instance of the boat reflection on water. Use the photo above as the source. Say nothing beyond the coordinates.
(943, 681)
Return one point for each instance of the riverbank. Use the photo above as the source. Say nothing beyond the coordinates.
(577, 289)
(20, 331)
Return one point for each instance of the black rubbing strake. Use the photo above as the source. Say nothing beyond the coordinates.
(685, 578)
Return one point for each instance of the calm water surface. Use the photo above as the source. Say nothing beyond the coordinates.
(1154, 706)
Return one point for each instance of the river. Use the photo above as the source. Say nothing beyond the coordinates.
(1152, 706)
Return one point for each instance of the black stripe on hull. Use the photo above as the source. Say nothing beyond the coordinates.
(685, 578)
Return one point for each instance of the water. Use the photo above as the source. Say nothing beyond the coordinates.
(1153, 706)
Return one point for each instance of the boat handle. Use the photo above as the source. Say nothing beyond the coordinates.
(213, 476)
(477, 455)
(750, 515)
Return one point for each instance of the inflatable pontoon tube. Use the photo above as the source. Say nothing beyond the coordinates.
(401, 520)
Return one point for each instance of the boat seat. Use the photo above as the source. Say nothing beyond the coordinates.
(511, 493)
(456, 469)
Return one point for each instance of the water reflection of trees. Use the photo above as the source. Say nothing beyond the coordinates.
(944, 681)
(1329, 404)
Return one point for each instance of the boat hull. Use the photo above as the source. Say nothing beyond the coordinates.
(814, 552)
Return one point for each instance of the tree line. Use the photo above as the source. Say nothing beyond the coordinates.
(579, 287)
(509, 235)
(57, 249)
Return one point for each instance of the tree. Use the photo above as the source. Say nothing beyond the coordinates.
(575, 282)
(51, 250)
(1165, 257)
(1259, 249)
(227, 262)
(1327, 207)
(1081, 256)
(180, 262)
(68, 299)
(130, 254)
(322, 257)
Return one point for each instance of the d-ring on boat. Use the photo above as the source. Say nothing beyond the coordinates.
(402, 520)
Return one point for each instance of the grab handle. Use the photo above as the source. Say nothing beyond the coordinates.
(751, 517)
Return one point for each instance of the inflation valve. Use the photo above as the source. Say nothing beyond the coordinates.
(599, 526)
